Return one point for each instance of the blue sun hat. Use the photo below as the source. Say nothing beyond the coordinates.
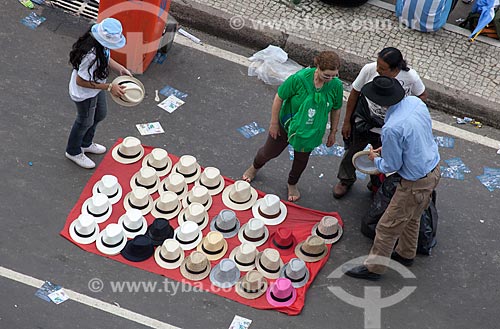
(109, 33)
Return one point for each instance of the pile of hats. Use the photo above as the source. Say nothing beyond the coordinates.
(186, 248)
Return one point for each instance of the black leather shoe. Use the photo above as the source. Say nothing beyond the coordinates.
(361, 272)
(401, 260)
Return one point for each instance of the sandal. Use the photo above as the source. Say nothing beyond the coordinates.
(293, 193)
(249, 174)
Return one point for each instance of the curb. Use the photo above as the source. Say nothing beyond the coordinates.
(216, 22)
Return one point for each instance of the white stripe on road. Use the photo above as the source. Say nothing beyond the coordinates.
(89, 301)
(466, 135)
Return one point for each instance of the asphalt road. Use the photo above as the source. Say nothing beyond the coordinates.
(455, 287)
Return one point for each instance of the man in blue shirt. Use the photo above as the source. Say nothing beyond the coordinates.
(408, 148)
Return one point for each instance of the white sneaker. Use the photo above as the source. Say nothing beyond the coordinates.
(95, 148)
(82, 160)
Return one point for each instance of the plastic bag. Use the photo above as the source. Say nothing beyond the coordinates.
(272, 65)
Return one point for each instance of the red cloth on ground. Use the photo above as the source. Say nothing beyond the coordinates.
(299, 219)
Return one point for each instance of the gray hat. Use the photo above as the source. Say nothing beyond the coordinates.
(225, 274)
(296, 271)
(225, 222)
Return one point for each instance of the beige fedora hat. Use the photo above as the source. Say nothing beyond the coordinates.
(188, 167)
(175, 183)
(167, 206)
(212, 180)
(196, 266)
(134, 91)
(269, 263)
(111, 240)
(270, 209)
(109, 185)
(213, 245)
(188, 235)
(159, 160)
(312, 249)
(254, 232)
(328, 229)
(195, 212)
(362, 162)
(98, 206)
(128, 151)
(146, 177)
(133, 223)
(244, 256)
(139, 198)
(252, 285)
(198, 194)
(169, 255)
(239, 196)
(84, 229)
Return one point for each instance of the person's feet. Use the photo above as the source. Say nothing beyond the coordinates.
(94, 148)
(362, 272)
(82, 160)
(401, 260)
(249, 174)
(340, 190)
(293, 193)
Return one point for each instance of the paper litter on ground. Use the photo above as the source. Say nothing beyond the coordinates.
(169, 90)
(240, 322)
(171, 103)
(250, 130)
(457, 163)
(58, 296)
(33, 20)
(322, 150)
(490, 178)
(159, 58)
(46, 289)
(450, 172)
(150, 128)
(445, 141)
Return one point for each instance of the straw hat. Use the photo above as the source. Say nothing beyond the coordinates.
(159, 160)
(270, 209)
(225, 222)
(196, 266)
(312, 249)
(134, 91)
(239, 196)
(109, 186)
(128, 151)
(133, 223)
(166, 206)
(281, 293)
(212, 180)
(188, 167)
(328, 229)
(269, 263)
(213, 245)
(252, 285)
(146, 177)
(296, 271)
(98, 206)
(159, 231)
(139, 198)
(284, 240)
(169, 255)
(225, 274)
(175, 183)
(244, 256)
(84, 229)
(200, 195)
(138, 249)
(195, 212)
(254, 232)
(362, 162)
(188, 234)
(111, 240)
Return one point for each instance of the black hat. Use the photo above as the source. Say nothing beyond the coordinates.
(383, 91)
(159, 231)
(138, 249)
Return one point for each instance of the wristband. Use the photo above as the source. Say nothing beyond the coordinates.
(110, 86)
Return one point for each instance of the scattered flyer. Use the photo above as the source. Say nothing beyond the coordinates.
(159, 58)
(171, 103)
(150, 128)
(250, 130)
(445, 141)
(168, 90)
(33, 20)
(322, 150)
(490, 178)
(240, 322)
(452, 172)
(58, 296)
(46, 289)
(458, 164)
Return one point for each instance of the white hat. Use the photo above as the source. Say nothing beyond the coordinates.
(254, 232)
(170, 255)
(269, 263)
(212, 180)
(111, 240)
(128, 151)
(146, 177)
(296, 271)
(312, 249)
(139, 198)
(362, 162)
(167, 206)
(159, 160)
(270, 209)
(225, 222)
(195, 266)
(239, 196)
(188, 234)
(244, 256)
(176, 183)
(98, 206)
(328, 229)
(213, 245)
(134, 91)
(195, 212)
(200, 195)
(188, 167)
(252, 285)
(109, 185)
(133, 223)
(84, 229)
(225, 274)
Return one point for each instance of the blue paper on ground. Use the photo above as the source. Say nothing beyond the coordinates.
(159, 58)
(46, 289)
(445, 141)
(458, 164)
(250, 130)
(169, 90)
(490, 178)
(322, 150)
(449, 172)
(33, 20)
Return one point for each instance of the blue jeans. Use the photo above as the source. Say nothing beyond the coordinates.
(89, 113)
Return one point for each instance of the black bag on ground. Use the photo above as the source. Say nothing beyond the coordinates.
(381, 199)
